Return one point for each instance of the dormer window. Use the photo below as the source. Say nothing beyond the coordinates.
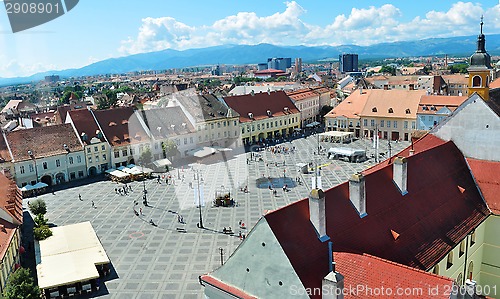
(285, 109)
(374, 109)
(124, 122)
(269, 113)
(250, 115)
(424, 108)
(111, 124)
(390, 110)
(407, 111)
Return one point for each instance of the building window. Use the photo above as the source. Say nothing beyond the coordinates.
(218, 125)
(365, 122)
(212, 126)
(104, 157)
(449, 260)
(21, 168)
(461, 251)
(70, 160)
(224, 123)
(476, 81)
(459, 279)
(80, 174)
(96, 148)
(124, 152)
(44, 164)
(235, 123)
(382, 123)
(31, 168)
(436, 270)
(395, 124)
(97, 158)
(185, 140)
(388, 123)
(191, 140)
(79, 159)
(103, 147)
(58, 163)
(372, 123)
(88, 150)
(117, 154)
(374, 109)
(407, 111)
(72, 175)
(90, 159)
(258, 126)
(470, 271)
(406, 124)
(473, 238)
(413, 125)
(390, 110)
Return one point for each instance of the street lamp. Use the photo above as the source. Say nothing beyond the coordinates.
(144, 191)
(197, 176)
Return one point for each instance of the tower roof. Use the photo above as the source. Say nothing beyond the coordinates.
(480, 60)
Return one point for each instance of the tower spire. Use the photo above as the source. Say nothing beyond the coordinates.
(481, 24)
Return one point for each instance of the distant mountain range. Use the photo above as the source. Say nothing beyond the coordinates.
(245, 54)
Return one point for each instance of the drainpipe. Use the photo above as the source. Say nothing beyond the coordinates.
(465, 264)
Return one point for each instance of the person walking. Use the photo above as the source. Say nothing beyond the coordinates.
(80, 197)
(93, 205)
(140, 211)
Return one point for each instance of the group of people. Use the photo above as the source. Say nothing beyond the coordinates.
(124, 190)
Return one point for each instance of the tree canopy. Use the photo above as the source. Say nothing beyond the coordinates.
(21, 285)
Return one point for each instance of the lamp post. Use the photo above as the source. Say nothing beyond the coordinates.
(197, 176)
(144, 191)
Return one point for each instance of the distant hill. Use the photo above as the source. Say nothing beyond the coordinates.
(245, 54)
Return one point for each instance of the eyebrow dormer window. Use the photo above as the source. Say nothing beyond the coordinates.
(374, 109)
(390, 110)
(407, 111)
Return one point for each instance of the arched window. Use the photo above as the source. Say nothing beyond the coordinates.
(436, 270)
(487, 81)
(459, 279)
(473, 238)
(407, 111)
(462, 248)
(449, 261)
(476, 81)
(470, 271)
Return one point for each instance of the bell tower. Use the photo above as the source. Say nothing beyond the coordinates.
(480, 68)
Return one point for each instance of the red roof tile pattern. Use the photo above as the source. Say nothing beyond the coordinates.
(84, 122)
(121, 126)
(4, 151)
(495, 83)
(226, 287)
(433, 103)
(259, 103)
(10, 198)
(43, 142)
(486, 174)
(377, 274)
(7, 231)
(427, 230)
(302, 94)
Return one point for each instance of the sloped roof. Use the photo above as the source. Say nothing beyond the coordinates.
(380, 101)
(433, 103)
(302, 94)
(204, 107)
(84, 122)
(495, 84)
(487, 176)
(259, 103)
(455, 79)
(12, 104)
(121, 126)
(375, 273)
(226, 287)
(494, 101)
(351, 106)
(4, 151)
(10, 198)
(432, 218)
(43, 141)
(166, 122)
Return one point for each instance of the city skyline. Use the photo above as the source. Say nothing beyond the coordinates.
(131, 28)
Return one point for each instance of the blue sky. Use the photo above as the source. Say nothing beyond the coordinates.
(95, 30)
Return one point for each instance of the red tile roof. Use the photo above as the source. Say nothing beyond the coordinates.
(6, 234)
(84, 123)
(487, 176)
(259, 103)
(121, 126)
(269, 71)
(43, 141)
(376, 274)
(432, 218)
(4, 151)
(226, 287)
(434, 103)
(495, 83)
(10, 198)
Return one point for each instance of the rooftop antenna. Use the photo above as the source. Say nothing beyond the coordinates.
(481, 24)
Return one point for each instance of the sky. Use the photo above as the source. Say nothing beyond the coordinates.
(100, 29)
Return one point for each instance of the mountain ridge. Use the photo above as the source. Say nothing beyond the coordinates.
(251, 54)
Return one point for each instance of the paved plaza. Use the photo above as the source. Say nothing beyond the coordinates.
(162, 262)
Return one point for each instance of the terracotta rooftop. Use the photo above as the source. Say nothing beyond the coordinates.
(7, 231)
(85, 125)
(4, 151)
(402, 103)
(12, 104)
(375, 273)
(121, 126)
(351, 106)
(269, 71)
(434, 175)
(433, 103)
(487, 176)
(455, 79)
(226, 287)
(43, 142)
(302, 94)
(495, 84)
(10, 198)
(259, 103)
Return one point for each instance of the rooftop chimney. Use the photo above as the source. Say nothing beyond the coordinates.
(317, 213)
(400, 174)
(357, 193)
(333, 286)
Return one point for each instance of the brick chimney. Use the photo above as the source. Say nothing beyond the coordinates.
(357, 193)
(317, 213)
(400, 174)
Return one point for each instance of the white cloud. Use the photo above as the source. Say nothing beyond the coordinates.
(363, 26)
(13, 68)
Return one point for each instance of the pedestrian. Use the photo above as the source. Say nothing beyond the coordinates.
(80, 197)
(93, 205)
(179, 218)
(140, 211)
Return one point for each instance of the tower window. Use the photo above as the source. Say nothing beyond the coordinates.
(476, 81)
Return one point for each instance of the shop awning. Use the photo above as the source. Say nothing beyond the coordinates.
(162, 162)
(202, 152)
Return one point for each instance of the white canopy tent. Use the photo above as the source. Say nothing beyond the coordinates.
(336, 136)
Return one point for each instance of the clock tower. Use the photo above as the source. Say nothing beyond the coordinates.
(480, 68)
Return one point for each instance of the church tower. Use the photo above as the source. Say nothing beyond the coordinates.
(480, 68)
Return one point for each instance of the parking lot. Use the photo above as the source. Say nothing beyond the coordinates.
(164, 261)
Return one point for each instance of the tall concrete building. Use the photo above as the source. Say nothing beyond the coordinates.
(279, 63)
(298, 65)
(348, 63)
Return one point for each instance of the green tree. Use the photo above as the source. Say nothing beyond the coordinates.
(21, 285)
(38, 206)
(42, 232)
(388, 69)
(458, 68)
(40, 220)
(146, 157)
(169, 148)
